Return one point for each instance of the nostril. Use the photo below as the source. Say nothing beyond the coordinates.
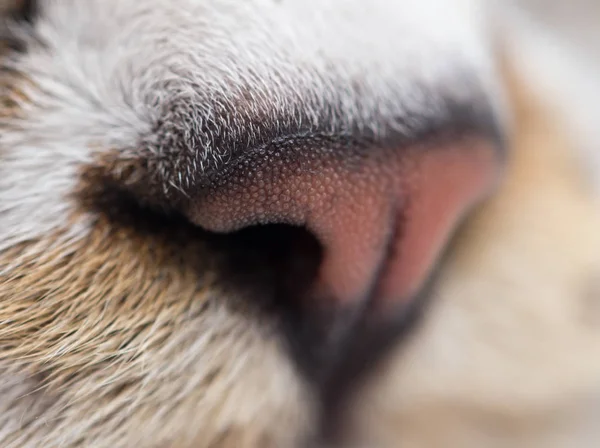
(277, 265)
(380, 214)
(350, 232)
(278, 261)
(340, 191)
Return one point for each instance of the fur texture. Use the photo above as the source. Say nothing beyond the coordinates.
(122, 326)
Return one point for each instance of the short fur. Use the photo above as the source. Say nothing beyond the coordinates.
(122, 326)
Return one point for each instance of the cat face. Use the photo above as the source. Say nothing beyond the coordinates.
(219, 220)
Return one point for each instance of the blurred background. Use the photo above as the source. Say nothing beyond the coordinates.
(577, 21)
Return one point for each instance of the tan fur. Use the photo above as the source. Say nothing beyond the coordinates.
(91, 326)
(126, 338)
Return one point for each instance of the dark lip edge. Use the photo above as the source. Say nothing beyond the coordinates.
(360, 368)
(399, 331)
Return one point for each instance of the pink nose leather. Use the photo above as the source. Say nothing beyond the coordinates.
(381, 215)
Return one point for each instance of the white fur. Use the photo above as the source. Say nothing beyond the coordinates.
(99, 75)
(105, 70)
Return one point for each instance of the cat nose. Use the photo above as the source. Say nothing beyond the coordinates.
(381, 216)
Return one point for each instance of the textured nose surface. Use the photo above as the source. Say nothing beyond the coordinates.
(381, 215)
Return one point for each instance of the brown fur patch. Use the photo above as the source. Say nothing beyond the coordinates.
(128, 329)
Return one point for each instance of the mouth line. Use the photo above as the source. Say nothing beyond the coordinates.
(372, 355)
(344, 339)
(364, 353)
